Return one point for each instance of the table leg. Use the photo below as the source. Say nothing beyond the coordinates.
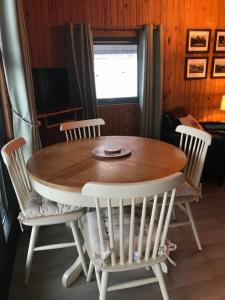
(72, 273)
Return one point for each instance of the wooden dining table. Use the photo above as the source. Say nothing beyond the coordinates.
(59, 172)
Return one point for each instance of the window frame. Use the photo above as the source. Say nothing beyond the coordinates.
(118, 41)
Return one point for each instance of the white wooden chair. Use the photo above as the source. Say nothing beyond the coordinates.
(194, 143)
(82, 129)
(35, 210)
(117, 241)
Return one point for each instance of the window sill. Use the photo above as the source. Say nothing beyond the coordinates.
(117, 101)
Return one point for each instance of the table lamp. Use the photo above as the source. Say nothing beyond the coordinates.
(222, 105)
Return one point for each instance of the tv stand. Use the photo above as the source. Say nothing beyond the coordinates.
(50, 122)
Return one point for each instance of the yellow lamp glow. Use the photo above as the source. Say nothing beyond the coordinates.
(222, 105)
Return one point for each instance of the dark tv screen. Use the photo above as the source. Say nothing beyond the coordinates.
(51, 88)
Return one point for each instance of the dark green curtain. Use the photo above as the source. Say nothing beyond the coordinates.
(150, 80)
(17, 69)
(81, 50)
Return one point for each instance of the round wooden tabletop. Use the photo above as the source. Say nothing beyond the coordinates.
(69, 165)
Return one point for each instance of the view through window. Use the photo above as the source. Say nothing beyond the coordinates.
(3, 201)
(3, 204)
(2, 208)
(115, 70)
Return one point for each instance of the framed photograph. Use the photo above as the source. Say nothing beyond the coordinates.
(218, 67)
(198, 40)
(196, 68)
(219, 41)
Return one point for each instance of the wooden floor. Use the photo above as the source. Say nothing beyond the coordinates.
(198, 275)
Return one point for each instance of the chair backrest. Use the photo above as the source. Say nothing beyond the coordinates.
(152, 231)
(194, 143)
(14, 160)
(82, 129)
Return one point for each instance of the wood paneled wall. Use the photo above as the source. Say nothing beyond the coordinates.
(121, 119)
(199, 97)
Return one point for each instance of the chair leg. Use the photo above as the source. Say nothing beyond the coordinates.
(174, 214)
(193, 226)
(78, 244)
(200, 197)
(104, 284)
(98, 279)
(157, 213)
(158, 273)
(33, 239)
(90, 271)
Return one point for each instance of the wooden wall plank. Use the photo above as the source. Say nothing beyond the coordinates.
(174, 53)
(145, 12)
(133, 16)
(73, 11)
(94, 13)
(167, 58)
(87, 11)
(127, 13)
(40, 30)
(181, 43)
(59, 12)
(80, 11)
(107, 13)
(199, 97)
(139, 15)
(158, 11)
(187, 83)
(126, 114)
(114, 15)
(66, 11)
(32, 38)
(120, 13)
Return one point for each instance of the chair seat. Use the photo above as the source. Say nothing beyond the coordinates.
(186, 193)
(186, 189)
(91, 235)
(38, 206)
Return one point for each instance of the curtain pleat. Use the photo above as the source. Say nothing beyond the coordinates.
(17, 68)
(4, 103)
(150, 80)
(36, 142)
(81, 48)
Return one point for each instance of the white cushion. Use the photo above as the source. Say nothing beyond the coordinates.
(91, 235)
(189, 120)
(38, 206)
(186, 189)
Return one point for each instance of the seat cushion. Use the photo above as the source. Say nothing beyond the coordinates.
(186, 189)
(38, 206)
(91, 235)
(189, 120)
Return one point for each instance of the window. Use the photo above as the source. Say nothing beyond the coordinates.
(3, 203)
(115, 66)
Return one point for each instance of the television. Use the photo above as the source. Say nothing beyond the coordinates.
(51, 88)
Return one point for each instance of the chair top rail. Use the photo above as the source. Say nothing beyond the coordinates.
(133, 190)
(11, 147)
(79, 124)
(203, 135)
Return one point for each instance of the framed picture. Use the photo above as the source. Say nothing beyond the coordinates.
(196, 68)
(198, 40)
(219, 41)
(218, 67)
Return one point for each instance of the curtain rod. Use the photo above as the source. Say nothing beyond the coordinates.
(120, 28)
(116, 28)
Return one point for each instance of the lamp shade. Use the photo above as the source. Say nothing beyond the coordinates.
(222, 106)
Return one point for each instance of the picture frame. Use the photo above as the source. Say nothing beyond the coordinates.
(218, 67)
(219, 41)
(196, 67)
(198, 40)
